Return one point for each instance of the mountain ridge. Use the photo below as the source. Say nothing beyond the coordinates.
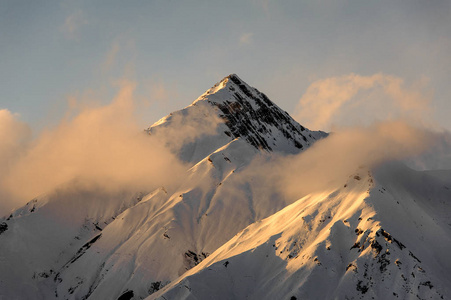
(249, 114)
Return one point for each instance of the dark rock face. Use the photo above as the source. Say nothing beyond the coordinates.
(192, 259)
(3, 227)
(247, 114)
(155, 287)
(126, 296)
(81, 251)
(253, 117)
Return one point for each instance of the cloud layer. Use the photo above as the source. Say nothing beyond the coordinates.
(72, 24)
(106, 145)
(355, 99)
(329, 162)
(101, 145)
(375, 119)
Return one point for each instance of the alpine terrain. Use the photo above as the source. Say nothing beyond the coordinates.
(222, 233)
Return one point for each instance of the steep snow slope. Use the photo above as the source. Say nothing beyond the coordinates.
(386, 237)
(74, 244)
(39, 238)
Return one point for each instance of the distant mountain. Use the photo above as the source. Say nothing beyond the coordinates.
(223, 234)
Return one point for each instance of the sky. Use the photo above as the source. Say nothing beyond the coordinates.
(56, 52)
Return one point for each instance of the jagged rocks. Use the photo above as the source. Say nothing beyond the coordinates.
(192, 259)
(128, 295)
(249, 114)
(155, 287)
(3, 227)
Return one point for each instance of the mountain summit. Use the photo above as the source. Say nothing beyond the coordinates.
(251, 115)
(248, 115)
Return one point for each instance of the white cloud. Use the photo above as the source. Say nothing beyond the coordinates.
(330, 161)
(111, 56)
(263, 4)
(121, 50)
(355, 99)
(72, 24)
(246, 38)
(101, 145)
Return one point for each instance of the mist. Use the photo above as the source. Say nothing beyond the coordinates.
(98, 145)
(374, 119)
(106, 146)
(357, 100)
(329, 162)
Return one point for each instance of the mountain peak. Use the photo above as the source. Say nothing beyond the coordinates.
(232, 76)
(233, 79)
(226, 85)
(251, 115)
(247, 114)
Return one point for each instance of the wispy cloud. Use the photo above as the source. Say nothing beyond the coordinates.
(14, 137)
(111, 55)
(246, 38)
(263, 4)
(101, 145)
(361, 99)
(122, 50)
(328, 163)
(72, 24)
(161, 91)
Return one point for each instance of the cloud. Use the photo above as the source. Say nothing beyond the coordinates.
(437, 156)
(380, 120)
(186, 126)
(111, 56)
(329, 162)
(72, 24)
(246, 38)
(121, 52)
(263, 4)
(105, 145)
(353, 99)
(14, 137)
(161, 91)
(335, 158)
(94, 145)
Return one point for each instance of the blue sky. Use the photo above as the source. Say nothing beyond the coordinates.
(175, 50)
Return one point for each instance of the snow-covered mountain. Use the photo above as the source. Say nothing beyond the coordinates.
(374, 237)
(222, 234)
(247, 115)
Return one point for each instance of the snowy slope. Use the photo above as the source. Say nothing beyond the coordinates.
(77, 244)
(39, 238)
(386, 237)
